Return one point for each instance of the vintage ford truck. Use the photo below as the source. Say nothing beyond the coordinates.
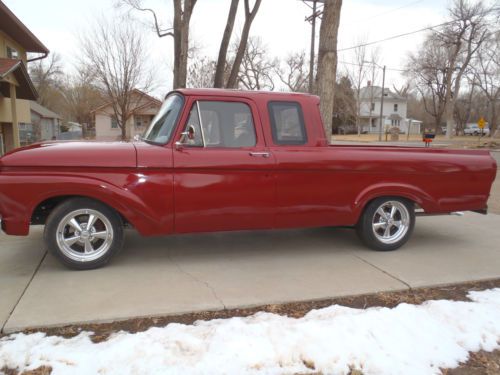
(220, 160)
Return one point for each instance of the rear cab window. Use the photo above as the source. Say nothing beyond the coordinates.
(287, 123)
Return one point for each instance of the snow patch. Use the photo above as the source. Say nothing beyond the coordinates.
(407, 339)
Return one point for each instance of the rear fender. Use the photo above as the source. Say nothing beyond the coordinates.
(410, 192)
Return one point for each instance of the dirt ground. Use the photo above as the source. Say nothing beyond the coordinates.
(480, 363)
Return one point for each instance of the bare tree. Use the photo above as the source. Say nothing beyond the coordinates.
(81, 96)
(47, 76)
(403, 90)
(116, 56)
(345, 105)
(250, 14)
(357, 72)
(183, 10)
(219, 78)
(293, 72)
(486, 72)
(201, 72)
(428, 68)
(327, 61)
(461, 39)
(256, 71)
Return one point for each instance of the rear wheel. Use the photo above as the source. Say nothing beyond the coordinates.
(387, 223)
(83, 234)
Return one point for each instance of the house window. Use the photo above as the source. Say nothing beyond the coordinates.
(395, 107)
(12, 53)
(114, 122)
(141, 122)
(372, 106)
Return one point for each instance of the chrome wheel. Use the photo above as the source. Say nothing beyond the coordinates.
(391, 222)
(84, 235)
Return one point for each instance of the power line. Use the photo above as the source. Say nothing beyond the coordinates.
(395, 37)
(496, 9)
(387, 68)
(389, 11)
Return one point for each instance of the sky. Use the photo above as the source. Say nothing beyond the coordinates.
(280, 23)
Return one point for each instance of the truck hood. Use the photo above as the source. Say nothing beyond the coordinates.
(72, 154)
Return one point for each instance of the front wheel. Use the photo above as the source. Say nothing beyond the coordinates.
(387, 223)
(83, 233)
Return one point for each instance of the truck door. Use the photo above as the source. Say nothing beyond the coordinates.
(308, 192)
(223, 172)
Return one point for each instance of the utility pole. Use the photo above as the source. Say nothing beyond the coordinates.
(312, 18)
(371, 96)
(313, 49)
(381, 105)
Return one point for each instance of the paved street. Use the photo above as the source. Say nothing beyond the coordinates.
(157, 276)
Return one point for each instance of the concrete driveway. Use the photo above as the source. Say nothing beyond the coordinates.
(171, 275)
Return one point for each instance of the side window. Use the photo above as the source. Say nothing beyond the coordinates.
(223, 124)
(192, 133)
(287, 123)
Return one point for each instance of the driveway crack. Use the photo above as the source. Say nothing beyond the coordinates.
(193, 277)
(24, 291)
(384, 271)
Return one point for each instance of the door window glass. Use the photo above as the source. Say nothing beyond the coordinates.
(287, 123)
(192, 135)
(223, 124)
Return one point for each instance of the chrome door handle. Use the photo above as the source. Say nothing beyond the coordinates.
(261, 154)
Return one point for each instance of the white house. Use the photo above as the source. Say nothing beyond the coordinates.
(394, 112)
(144, 108)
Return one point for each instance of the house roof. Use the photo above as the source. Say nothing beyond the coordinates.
(7, 66)
(26, 89)
(366, 94)
(42, 111)
(13, 27)
(135, 91)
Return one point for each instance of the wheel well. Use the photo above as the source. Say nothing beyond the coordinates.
(43, 209)
(416, 206)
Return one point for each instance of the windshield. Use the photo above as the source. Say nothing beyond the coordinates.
(163, 123)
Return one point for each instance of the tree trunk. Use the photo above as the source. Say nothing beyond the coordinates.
(124, 128)
(249, 17)
(327, 62)
(182, 18)
(224, 45)
(177, 41)
(494, 121)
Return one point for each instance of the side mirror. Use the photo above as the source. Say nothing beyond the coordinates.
(191, 132)
(186, 136)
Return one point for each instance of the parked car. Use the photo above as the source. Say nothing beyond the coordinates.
(219, 160)
(474, 129)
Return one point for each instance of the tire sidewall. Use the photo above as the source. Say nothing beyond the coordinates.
(365, 230)
(55, 217)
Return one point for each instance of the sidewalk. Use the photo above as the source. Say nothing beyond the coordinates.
(178, 274)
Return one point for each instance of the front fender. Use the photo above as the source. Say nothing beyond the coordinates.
(129, 194)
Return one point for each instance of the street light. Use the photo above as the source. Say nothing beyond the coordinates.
(312, 18)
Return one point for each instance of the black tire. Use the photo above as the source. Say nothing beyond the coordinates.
(105, 235)
(371, 235)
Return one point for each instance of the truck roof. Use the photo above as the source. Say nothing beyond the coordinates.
(269, 95)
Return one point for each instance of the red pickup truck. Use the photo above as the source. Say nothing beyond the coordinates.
(219, 160)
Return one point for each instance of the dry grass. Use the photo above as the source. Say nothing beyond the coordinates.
(441, 140)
